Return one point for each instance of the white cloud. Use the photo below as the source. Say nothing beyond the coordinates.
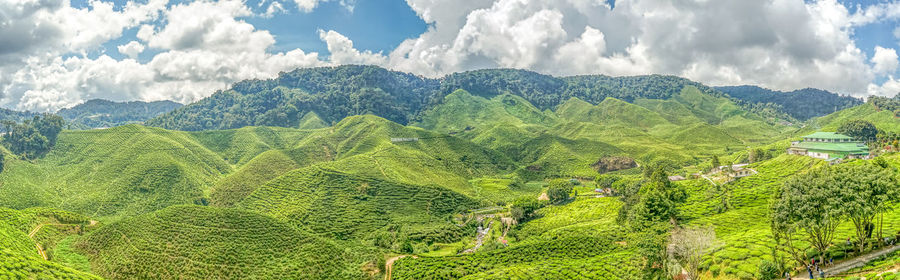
(781, 44)
(132, 49)
(343, 52)
(307, 6)
(273, 9)
(205, 49)
(885, 60)
(889, 88)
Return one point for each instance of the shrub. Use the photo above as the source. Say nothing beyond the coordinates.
(768, 271)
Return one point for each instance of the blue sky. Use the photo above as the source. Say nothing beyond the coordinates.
(191, 48)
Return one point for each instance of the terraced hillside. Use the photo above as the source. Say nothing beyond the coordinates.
(345, 206)
(20, 257)
(196, 242)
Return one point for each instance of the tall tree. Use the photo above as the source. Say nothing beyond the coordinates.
(809, 203)
(866, 191)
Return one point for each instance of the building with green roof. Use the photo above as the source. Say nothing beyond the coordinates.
(829, 146)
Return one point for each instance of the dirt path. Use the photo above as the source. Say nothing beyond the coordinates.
(389, 265)
(846, 265)
(37, 245)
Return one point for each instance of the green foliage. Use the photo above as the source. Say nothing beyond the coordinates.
(574, 240)
(795, 103)
(809, 203)
(203, 242)
(346, 206)
(33, 138)
(859, 129)
(559, 191)
(97, 113)
(768, 271)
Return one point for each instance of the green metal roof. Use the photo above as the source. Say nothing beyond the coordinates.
(836, 147)
(827, 135)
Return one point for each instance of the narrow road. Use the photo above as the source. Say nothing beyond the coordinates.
(389, 265)
(843, 266)
(37, 245)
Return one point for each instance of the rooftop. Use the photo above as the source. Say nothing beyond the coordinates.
(827, 135)
(837, 147)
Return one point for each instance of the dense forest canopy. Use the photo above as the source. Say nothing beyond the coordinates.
(334, 93)
(802, 104)
(97, 113)
(32, 138)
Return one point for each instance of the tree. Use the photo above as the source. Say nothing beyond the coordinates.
(33, 138)
(859, 129)
(2, 161)
(809, 203)
(715, 162)
(559, 191)
(866, 191)
(659, 201)
(687, 246)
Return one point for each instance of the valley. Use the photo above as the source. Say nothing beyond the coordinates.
(340, 172)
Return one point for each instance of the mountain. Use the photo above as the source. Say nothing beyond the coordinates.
(99, 113)
(802, 104)
(333, 93)
(7, 114)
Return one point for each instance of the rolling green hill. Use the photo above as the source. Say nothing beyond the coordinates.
(126, 170)
(194, 242)
(346, 206)
(883, 119)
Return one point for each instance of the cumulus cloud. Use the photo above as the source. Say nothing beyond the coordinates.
(307, 6)
(343, 52)
(889, 88)
(132, 49)
(885, 60)
(53, 26)
(782, 44)
(206, 48)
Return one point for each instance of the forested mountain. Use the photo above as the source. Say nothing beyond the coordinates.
(17, 116)
(98, 113)
(334, 93)
(802, 104)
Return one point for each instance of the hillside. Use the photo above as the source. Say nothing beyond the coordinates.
(796, 103)
(19, 257)
(98, 113)
(346, 206)
(109, 173)
(334, 93)
(11, 115)
(882, 119)
(213, 243)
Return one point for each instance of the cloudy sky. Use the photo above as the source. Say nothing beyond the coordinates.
(58, 53)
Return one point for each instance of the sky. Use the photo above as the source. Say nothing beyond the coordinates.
(59, 53)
